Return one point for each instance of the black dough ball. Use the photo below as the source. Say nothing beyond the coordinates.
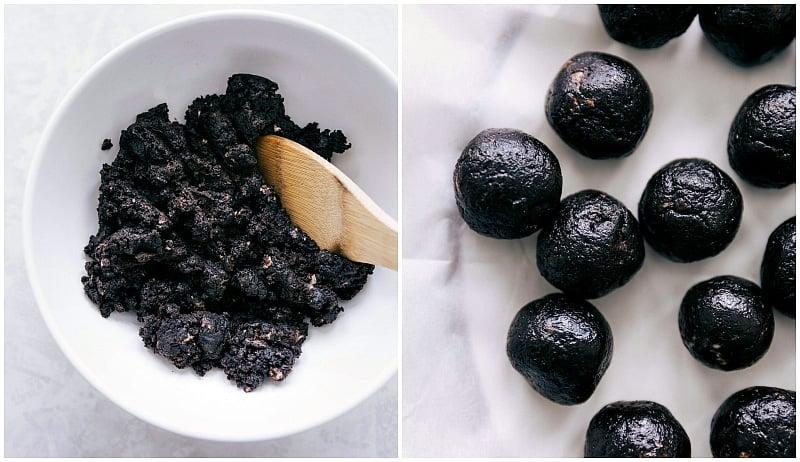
(748, 34)
(755, 422)
(592, 246)
(646, 26)
(600, 105)
(725, 324)
(778, 272)
(690, 210)
(562, 346)
(507, 184)
(636, 429)
(761, 142)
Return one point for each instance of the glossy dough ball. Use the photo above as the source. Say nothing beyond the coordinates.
(507, 184)
(636, 429)
(562, 346)
(725, 324)
(690, 210)
(646, 26)
(756, 422)
(778, 268)
(749, 34)
(591, 247)
(762, 140)
(600, 105)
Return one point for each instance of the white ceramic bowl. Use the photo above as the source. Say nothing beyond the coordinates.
(323, 77)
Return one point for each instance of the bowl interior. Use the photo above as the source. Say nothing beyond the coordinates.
(322, 78)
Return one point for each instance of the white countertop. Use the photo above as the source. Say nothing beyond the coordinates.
(50, 409)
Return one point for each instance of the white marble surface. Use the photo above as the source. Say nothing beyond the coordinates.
(50, 410)
(467, 68)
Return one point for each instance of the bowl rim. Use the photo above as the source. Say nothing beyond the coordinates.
(38, 157)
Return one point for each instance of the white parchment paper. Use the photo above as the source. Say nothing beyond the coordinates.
(467, 68)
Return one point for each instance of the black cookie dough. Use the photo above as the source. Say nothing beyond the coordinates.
(107, 144)
(194, 241)
(778, 272)
(761, 142)
(591, 247)
(636, 429)
(507, 184)
(725, 324)
(600, 105)
(690, 210)
(756, 422)
(562, 346)
(646, 26)
(748, 34)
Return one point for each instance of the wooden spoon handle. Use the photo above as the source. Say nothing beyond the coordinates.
(326, 204)
(371, 234)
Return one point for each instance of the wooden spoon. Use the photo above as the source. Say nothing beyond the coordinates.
(326, 204)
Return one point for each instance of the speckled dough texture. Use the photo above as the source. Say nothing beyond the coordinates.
(507, 184)
(636, 429)
(690, 210)
(591, 247)
(562, 346)
(194, 241)
(762, 139)
(646, 26)
(778, 268)
(749, 35)
(725, 324)
(600, 105)
(756, 422)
